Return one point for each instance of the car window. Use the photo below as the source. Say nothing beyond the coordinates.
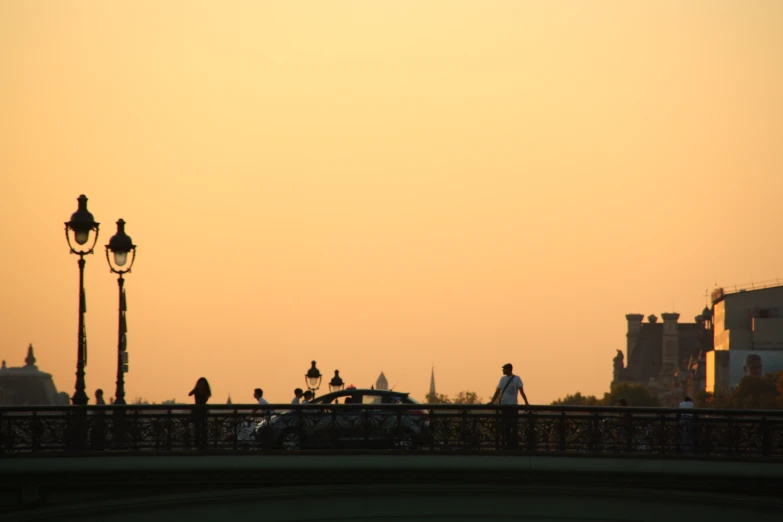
(371, 399)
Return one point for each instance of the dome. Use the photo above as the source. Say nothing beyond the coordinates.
(706, 314)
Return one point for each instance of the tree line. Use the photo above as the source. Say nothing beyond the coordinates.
(752, 393)
(463, 397)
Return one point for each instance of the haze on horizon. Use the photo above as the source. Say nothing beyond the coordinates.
(382, 186)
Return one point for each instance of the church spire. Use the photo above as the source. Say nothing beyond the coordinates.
(30, 360)
(381, 383)
(432, 382)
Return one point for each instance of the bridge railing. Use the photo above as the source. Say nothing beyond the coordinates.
(555, 430)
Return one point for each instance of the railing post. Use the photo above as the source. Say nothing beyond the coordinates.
(593, 433)
(433, 427)
(730, 434)
(3, 433)
(532, 439)
(680, 426)
(300, 425)
(662, 433)
(120, 430)
(476, 431)
(561, 432)
(77, 428)
(334, 436)
(766, 438)
(35, 440)
(235, 431)
(464, 430)
(499, 435)
(170, 427)
(400, 430)
(366, 424)
(212, 429)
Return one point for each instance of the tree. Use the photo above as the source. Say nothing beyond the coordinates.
(757, 393)
(634, 394)
(705, 399)
(467, 397)
(437, 398)
(138, 401)
(577, 399)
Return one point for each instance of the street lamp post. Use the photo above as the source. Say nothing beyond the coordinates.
(81, 225)
(120, 245)
(336, 384)
(313, 378)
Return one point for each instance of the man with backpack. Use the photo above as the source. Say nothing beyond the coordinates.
(506, 396)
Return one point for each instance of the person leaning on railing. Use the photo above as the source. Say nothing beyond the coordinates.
(506, 395)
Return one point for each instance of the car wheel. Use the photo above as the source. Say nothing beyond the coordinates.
(291, 440)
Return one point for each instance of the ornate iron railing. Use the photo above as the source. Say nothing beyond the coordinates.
(561, 430)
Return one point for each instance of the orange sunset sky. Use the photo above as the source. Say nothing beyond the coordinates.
(382, 186)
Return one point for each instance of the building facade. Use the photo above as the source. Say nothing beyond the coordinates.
(28, 386)
(668, 356)
(748, 336)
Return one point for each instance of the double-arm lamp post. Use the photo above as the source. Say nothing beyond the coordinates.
(121, 247)
(81, 225)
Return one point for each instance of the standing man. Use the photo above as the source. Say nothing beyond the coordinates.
(686, 426)
(506, 395)
(98, 429)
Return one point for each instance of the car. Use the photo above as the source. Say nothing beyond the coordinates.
(360, 421)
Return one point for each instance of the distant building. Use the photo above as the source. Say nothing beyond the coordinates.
(748, 336)
(381, 383)
(28, 386)
(432, 383)
(668, 357)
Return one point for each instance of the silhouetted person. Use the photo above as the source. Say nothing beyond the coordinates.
(308, 396)
(98, 424)
(686, 425)
(258, 394)
(201, 393)
(297, 396)
(506, 394)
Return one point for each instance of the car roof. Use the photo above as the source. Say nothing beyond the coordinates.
(364, 391)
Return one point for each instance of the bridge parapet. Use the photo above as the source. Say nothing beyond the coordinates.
(347, 428)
